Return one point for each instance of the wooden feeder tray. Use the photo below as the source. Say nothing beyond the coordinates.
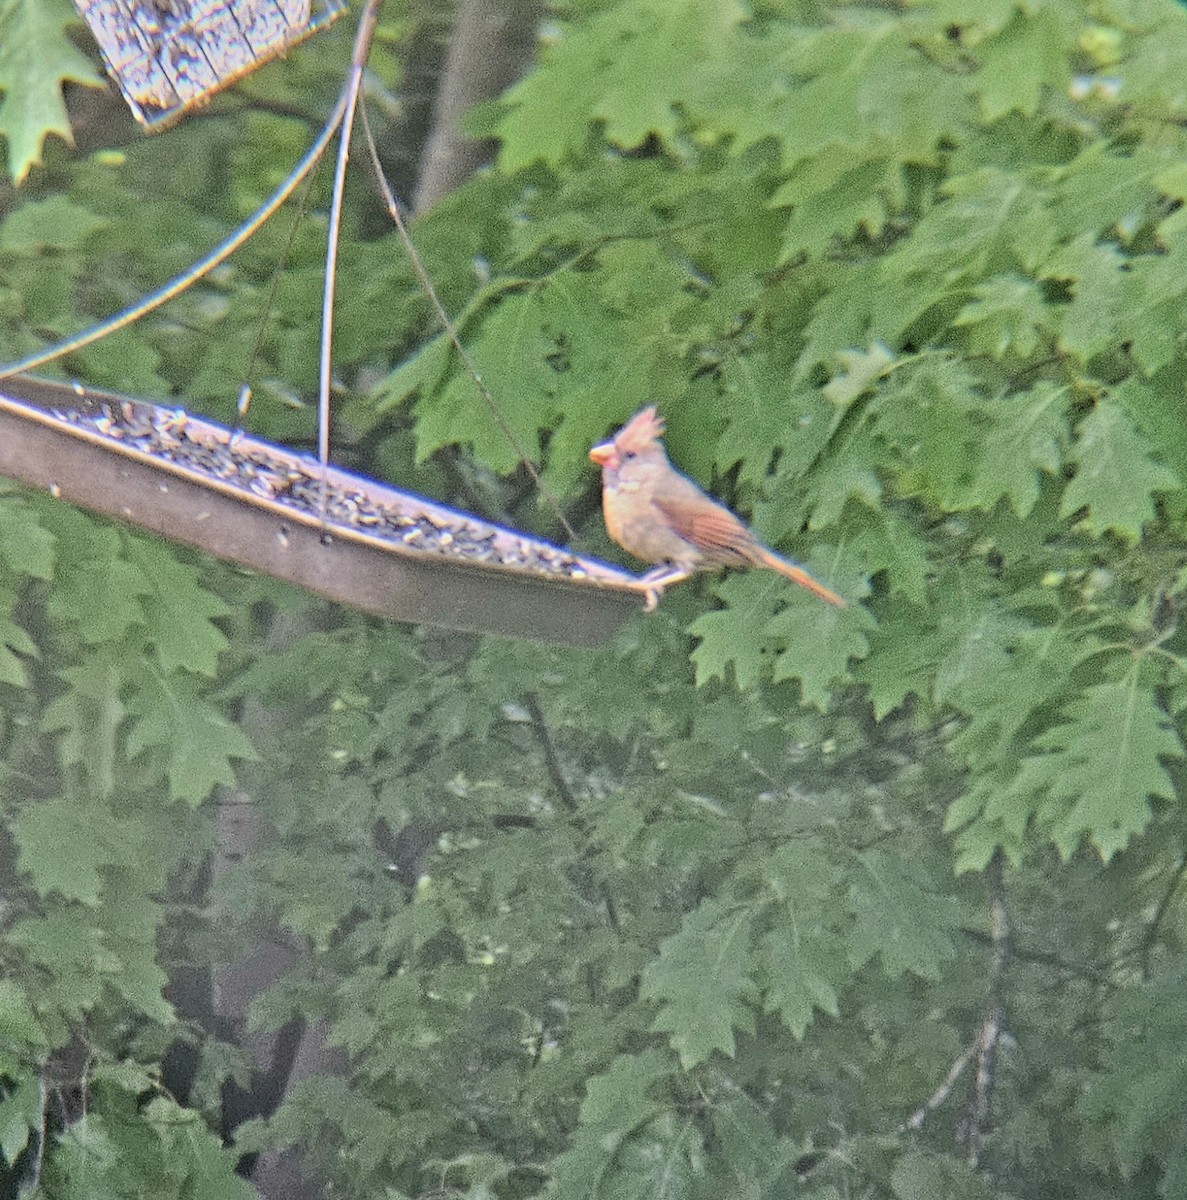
(345, 537)
(169, 56)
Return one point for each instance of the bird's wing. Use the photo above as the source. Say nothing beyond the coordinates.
(710, 528)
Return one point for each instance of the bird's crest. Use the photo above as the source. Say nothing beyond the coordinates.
(641, 430)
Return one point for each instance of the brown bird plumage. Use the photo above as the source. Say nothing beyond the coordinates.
(661, 516)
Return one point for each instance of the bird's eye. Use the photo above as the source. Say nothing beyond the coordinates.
(628, 454)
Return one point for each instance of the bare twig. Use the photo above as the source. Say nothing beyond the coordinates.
(1043, 958)
(557, 774)
(981, 1053)
(977, 1119)
(39, 1157)
(551, 759)
(916, 1119)
(1151, 936)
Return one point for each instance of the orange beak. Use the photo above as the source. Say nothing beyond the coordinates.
(601, 453)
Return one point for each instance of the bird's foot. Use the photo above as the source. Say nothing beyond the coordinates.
(657, 579)
(651, 592)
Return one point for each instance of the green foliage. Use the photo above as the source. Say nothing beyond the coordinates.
(36, 58)
(710, 911)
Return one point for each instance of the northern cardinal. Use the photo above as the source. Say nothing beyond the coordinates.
(662, 517)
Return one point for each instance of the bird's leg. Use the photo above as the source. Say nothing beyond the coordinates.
(659, 578)
(666, 574)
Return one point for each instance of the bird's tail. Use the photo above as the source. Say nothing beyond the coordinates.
(769, 558)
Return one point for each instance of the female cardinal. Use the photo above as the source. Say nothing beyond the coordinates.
(662, 517)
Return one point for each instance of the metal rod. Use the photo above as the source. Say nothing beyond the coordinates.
(192, 274)
(347, 102)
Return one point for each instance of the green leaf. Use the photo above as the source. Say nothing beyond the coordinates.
(702, 982)
(532, 345)
(931, 416)
(1130, 1099)
(88, 715)
(36, 57)
(13, 641)
(195, 740)
(1116, 475)
(766, 413)
(21, 1114)
(1099, 192)
(976, 646)
(618, 1101)
(895, 919)
(901, 661)
(851, 473)
(1008, 315)
(96, 589)
(1159, 407)
(992, 220)
(420, 374)
(178, 610)
(795, 977)
(814, 643)
(67, 947)
(859, 87)
(1091, 322)
(860, 370)
(836, 195)
(18, 1023)
(919, 1175)
(805, 639)
(60, 849)
(26, 546)
(1021, 61)
(1154, 293)
(848, 314)
(1104, 764)
(126, 361)
(1092, 777)
(734, 636)
(618, 1097)
(131, 1077)
(626, 66)
(131, 922)
(664, 1161)
(1005, 675)
(54, 224)
(1027, 436)
(884, 542)
(191, 1147)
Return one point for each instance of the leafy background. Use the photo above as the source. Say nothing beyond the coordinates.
(761, 898)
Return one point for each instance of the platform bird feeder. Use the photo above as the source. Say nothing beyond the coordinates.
(353, 540)
(169, 56)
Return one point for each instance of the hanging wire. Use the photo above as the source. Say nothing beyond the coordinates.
(202, 267)
(341, 121)
(451, 333)
(245, 391)
(349, 102)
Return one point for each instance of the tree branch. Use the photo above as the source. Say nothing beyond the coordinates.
(1151, 936)
(552, 760)
(977, 1119)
